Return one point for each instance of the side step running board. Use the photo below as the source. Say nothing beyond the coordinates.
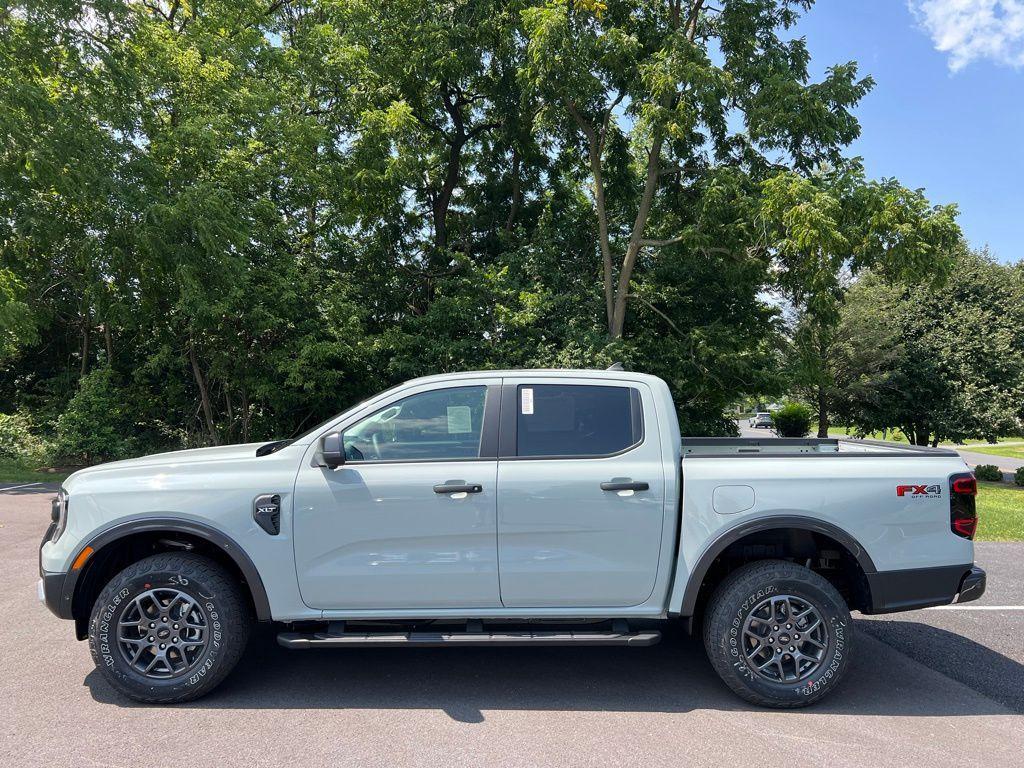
(438, 639)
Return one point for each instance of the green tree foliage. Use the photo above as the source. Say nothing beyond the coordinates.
(98, 424)
(988, 472)
(236, 218)
(792, 420)
(937, 362)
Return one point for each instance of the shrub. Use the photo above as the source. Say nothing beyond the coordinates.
(792, 420)
(988, 472)
(97, 424)
(17, 440)
(1018, 476)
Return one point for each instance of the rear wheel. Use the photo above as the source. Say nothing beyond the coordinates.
(168, 628)
(778, 634)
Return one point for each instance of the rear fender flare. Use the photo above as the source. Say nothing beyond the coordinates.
(695, 579)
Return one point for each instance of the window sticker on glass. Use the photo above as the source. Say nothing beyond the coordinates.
(460, 419)
(527, 401)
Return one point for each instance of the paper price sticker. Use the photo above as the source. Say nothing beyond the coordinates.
(527, 394)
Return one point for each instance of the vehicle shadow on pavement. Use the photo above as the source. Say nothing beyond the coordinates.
(465, 683)
(960, 658)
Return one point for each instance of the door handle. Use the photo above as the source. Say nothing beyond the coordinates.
(626, 485)
(458, 488)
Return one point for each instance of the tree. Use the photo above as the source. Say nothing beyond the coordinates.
(937, 363)
(665, 100)
(245, 216)
(832, 226)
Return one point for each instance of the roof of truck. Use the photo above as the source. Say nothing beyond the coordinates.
(576, 373)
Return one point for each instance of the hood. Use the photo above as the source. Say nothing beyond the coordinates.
(173, 459)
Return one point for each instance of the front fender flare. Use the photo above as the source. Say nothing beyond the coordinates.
(171, 525)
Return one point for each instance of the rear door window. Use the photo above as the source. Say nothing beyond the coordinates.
(577, 420)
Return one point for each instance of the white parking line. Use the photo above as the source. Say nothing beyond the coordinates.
(955, 607)
(16, 487)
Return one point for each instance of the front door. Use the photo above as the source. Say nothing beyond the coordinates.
(580, 493)
(408, 521)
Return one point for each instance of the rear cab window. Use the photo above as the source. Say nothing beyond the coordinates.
(576, 420)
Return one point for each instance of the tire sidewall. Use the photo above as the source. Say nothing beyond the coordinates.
(117, 597)
(748, 594)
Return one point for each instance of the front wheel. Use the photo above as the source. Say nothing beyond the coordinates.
(778, 634)
(168, 628)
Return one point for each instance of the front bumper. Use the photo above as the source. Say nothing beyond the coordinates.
(914, 588)
(50, 591)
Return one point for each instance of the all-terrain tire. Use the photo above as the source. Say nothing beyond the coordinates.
(739, 595)
(135, 597)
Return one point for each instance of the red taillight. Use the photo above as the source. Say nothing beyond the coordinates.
(963, 515)
(965, 526)
(965, 485)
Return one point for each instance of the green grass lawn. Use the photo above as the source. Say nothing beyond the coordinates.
(1010, 451)
(1013, 451)
(1000, 512)
(894, 436)
(14, 471)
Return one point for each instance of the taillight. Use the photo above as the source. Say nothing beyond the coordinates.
(963, 515)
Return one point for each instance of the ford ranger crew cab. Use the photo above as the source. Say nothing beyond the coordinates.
(507, 508)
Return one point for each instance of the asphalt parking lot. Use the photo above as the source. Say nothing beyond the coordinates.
(936, 687)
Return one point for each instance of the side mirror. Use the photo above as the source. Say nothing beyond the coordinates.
(333, 450)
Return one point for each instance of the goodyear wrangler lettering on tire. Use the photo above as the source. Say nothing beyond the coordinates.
(168, 628)
(736, 626)
(778, 634)
(830, 674)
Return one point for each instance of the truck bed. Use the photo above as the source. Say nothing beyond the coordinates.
(726, 447)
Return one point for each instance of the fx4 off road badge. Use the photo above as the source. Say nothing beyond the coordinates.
(919, 491)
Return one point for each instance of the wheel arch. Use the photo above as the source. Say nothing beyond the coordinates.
(695, 586)
(80, 583)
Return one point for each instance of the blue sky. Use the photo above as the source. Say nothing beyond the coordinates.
(950, 121)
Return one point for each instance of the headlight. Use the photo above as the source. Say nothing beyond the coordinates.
(59, 514)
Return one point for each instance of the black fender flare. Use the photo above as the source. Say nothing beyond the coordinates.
(797, 522)
(171, 525)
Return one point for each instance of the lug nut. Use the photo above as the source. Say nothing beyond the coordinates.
(151, 638)
(162, 646)
(151, 625)
(791, 648)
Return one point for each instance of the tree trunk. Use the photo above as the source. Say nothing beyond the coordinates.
(822, 413)
(444, 197)
(109, 343)
(517, 193)
(85, 348)
(245, 415)
(204, 395)
(635, 237)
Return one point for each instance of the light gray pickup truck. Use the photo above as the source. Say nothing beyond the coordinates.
(507, 508)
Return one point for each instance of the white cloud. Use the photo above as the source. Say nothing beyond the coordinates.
(968, 30)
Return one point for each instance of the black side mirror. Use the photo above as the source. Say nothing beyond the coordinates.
(333, 450)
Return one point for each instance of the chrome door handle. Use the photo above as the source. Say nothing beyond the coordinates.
(458, 488)
(627, 485)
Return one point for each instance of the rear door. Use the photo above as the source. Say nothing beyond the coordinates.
(580, 493)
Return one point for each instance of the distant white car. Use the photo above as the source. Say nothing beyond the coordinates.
(762, 419)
